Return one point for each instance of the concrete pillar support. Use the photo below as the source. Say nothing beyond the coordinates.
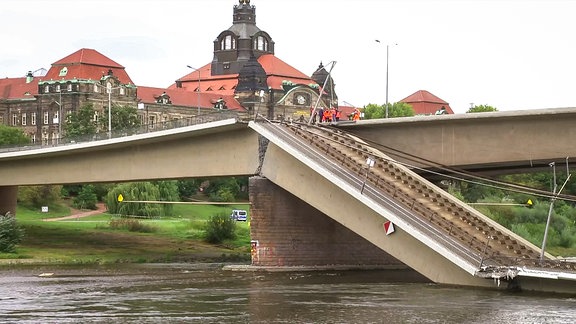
(8, 196)
(287, 232)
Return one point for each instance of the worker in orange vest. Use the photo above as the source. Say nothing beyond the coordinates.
(356, 114)
(327, 116)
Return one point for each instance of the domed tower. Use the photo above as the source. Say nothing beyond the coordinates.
(236, 45)
(323, 78)
(252, 85)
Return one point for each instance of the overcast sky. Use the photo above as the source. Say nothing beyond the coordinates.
(510, 54)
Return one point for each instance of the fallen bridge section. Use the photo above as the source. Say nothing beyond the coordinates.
(436, 234)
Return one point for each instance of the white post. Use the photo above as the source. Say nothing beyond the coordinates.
(199, 88)
(110, 113)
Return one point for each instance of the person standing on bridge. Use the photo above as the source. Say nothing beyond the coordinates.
(356, 114)
(441, 111)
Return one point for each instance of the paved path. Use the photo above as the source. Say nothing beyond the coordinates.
(80, 213)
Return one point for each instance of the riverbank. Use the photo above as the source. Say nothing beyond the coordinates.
(86, 237)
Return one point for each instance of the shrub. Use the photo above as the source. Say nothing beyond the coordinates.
(86, 198)
(10, 233)
(219, 228)
(132, 225)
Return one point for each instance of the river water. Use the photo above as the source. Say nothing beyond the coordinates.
(204, 293)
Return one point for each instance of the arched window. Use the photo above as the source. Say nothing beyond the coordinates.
(261, 43)
(228, 43)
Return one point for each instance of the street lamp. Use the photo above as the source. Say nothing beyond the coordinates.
(387, 57)
(59, 114)
(109, 89)
(199, 88)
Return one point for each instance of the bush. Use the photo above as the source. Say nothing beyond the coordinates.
(219, 228)
(10, 233)
(86, 198)
(132, 225)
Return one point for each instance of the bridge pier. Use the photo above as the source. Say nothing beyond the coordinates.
(8, 197)
(287, 232)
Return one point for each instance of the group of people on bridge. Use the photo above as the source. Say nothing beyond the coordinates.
(331, 115)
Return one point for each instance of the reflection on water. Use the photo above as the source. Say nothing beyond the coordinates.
(206, 294)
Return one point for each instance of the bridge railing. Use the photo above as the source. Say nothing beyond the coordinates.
(142, 129)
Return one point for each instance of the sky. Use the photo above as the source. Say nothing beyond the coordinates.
(509, 54)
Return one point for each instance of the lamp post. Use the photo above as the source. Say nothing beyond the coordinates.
(387, 59)
(199, 89)
(109, 89)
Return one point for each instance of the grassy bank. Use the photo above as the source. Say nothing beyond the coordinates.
(91, 240)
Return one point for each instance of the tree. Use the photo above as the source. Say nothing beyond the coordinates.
(12, 136)
(397, 109)
(481, 108)
(124, 118)
(11, 233)
(142, 191)
(81, 122)
(86, 198)
(38, 196)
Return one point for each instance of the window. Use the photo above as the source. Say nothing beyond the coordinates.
(1, 120)
(46, 88)
(45, 118)
(70, 87)
(122, 91)
(151, 121)
(96, 88)
(228, 43)
(96, 117)
(33, 117)
(261, 43)
(57, 88)
(24, 119)
(63, 71)
(14, 120)
(33, 138)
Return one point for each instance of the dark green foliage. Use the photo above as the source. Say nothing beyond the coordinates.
(397, 109)
(188, 188)
(124, 118)
(12, 136)
(86, 198)
(35, 197)
(80, 122)
(11, 233)
(481, 108)
(223, 189)
(131, 225)
(220, 228)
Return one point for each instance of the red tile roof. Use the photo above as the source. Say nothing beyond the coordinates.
(86, 64)
(425, 103)
(276, 70)
(17, 88)
(180, 97)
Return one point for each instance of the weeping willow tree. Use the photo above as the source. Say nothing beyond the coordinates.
(143, 192)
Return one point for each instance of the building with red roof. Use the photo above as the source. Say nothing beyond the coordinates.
(425, 103)
(244, 75)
